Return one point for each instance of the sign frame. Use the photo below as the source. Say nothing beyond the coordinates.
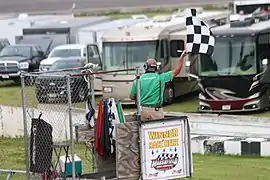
(162, 162)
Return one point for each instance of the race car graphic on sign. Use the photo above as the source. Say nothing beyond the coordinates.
(165, 162)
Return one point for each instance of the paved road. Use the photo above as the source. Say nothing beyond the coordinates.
(7, 6)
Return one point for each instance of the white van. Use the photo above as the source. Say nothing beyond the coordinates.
(63, 51)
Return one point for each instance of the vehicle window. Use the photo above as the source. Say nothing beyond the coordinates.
(250, 8)
(93, 55)
(38, 48)
(164, 50)
(120, 55)
(84, 52)
(1, 46)
(65, 65)
(34, 51)
(263, 49)
(231, 57)
(16, 51)
(65, 53)
(176, 45)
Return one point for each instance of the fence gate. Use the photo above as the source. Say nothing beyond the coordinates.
(52, 104)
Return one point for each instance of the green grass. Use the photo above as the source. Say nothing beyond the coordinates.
(10, 94)
(12, 156)
(206, 167)
(150, 12)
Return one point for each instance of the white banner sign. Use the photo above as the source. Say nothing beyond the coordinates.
(164, 150)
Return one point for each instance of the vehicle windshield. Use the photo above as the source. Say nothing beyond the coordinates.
(123, 55)
(23, 51)
(232, 56)
(57, 39)
(251, 8)
(65, 53)
(65, 65)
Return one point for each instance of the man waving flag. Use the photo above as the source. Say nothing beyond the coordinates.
(200, 39)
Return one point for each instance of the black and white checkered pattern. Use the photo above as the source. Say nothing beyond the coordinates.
(165, 156)
(200, 39)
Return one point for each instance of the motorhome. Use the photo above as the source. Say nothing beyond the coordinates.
(234, 78)
(130, 47)
(93, 34)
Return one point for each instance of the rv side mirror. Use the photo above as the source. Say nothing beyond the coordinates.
(264, 64)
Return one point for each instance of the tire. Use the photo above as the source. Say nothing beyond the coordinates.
(169, 94)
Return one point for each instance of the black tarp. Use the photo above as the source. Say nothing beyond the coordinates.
(105, 134)
(41, 142)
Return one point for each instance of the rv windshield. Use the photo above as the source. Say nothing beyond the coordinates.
(232, 56)
(122, 55)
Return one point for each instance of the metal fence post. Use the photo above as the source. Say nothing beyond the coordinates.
(92, 91)
(26, 147)
(93, 102)
(138, 94)
(71, 127)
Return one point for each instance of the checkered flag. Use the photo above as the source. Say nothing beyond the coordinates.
(200, 39)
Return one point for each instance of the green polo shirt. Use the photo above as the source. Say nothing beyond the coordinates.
(151, 93)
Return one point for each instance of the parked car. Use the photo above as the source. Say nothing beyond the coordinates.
(22, 57)
(63, 51)
(53, 86)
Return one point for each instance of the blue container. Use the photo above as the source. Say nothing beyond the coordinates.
(68, 168)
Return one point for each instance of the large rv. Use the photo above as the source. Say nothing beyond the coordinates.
(231, 80)
(93, 34)
(130, 47)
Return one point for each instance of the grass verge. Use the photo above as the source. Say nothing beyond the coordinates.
(206, 167)
(150, 12)
(10, 94)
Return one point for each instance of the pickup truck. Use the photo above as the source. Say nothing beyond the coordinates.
(18, 58)
(54, 88)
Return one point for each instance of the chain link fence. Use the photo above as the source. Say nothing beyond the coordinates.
(53, 103)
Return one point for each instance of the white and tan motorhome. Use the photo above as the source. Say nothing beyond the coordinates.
(130, 47)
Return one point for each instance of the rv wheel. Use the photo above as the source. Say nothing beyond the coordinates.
(168, 94)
